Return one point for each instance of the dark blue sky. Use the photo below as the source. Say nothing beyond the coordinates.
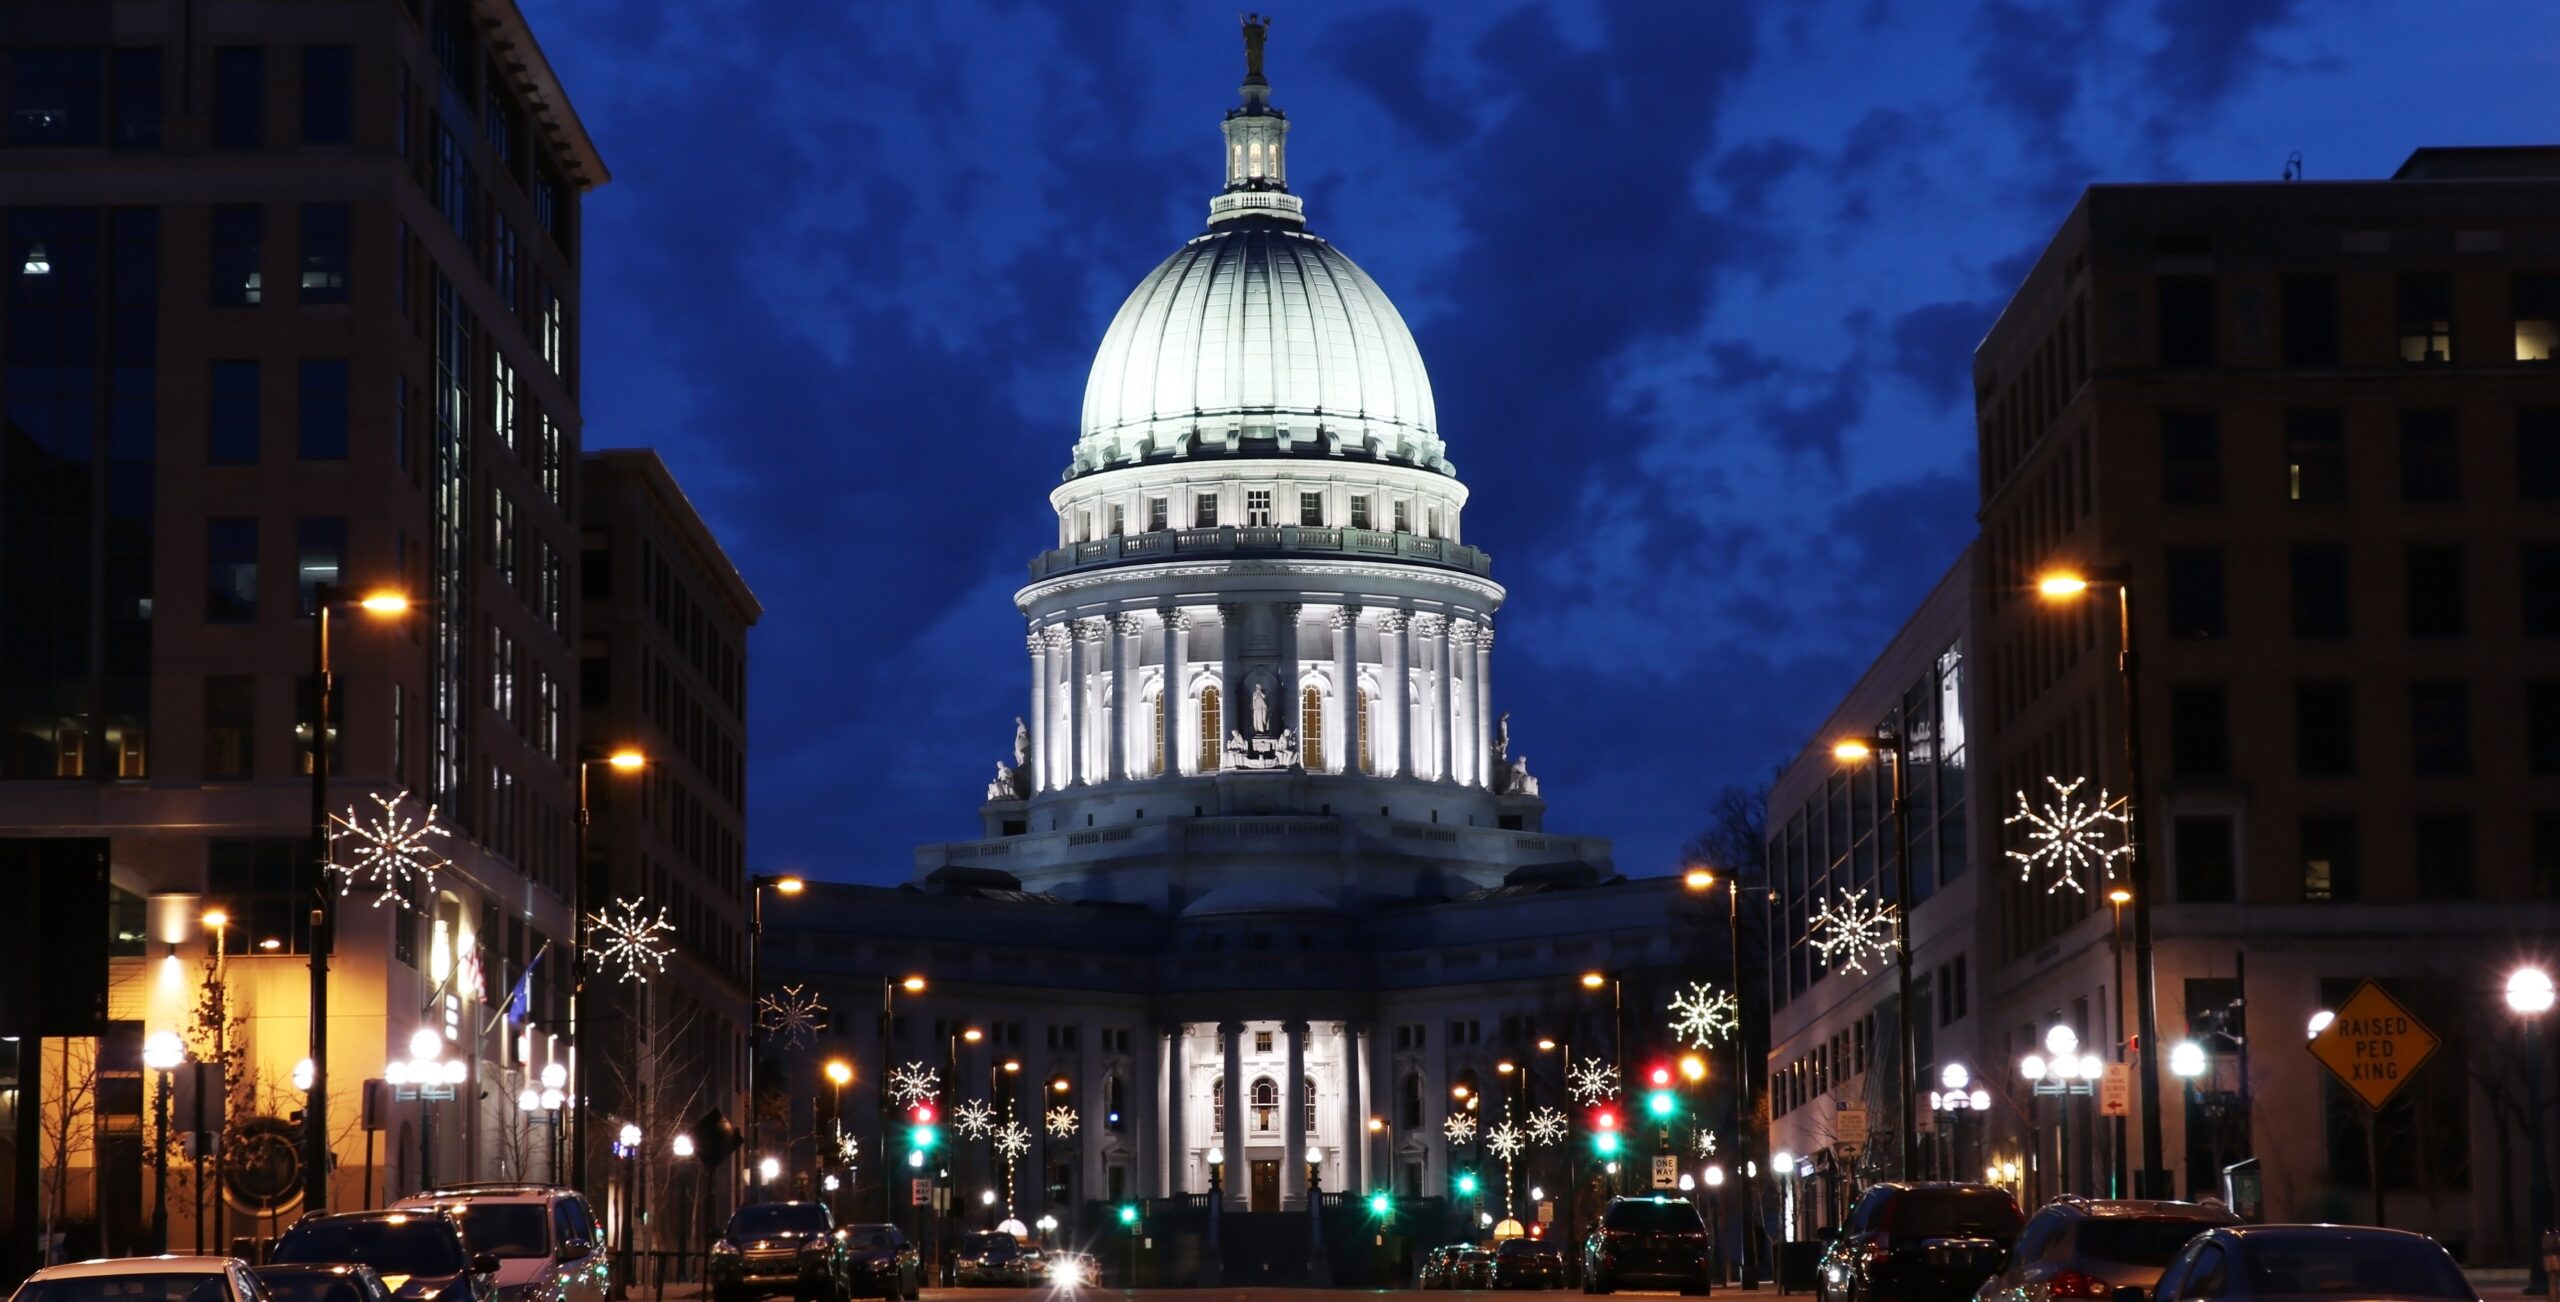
(1697, 283)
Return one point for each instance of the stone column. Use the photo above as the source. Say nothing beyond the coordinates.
(1342, 719)
(1484, 706)
(1461, 709)
(1088, 654)
(1395, 656)
(1037, 643)
(1355, 1116)
(1447, 699)
(1177, 656)
(1174, 1145)
(1287, 712)
(1236, 1182)
(1055, 663)
(1233, 710)
(1124, 695)
(1293, 1119)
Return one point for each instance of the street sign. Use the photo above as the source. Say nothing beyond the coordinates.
(1547, 1211)
(920, 1192)
(1849, 1126)
(2115, 1091)
(2373, 1045)
(1666, 1171)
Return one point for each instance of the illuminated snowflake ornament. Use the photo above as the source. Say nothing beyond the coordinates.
(1062, 1121)
(1504, 1141)
(629, 941)
(913, 1084)
(1593, 1082)
(1546, 1126)
(1703, 1015)
(1460, 1128)
(1854, 930)
(976, 1119)
(847, 1148)
(1706, 1143)
(391, 852)
(1013, 1140)
(793, 1015)
(2068, 838)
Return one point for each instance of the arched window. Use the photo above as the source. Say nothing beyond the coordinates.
(1307, 1107)
(1311, 727)
(1212, 731)
(1155, 737)
(1266, 1105)
(1218, 1106)
(1362, 723)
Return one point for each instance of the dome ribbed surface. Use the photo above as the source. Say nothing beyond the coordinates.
(1257, 339)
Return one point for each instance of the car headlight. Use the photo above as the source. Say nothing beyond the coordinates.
(723, 1248)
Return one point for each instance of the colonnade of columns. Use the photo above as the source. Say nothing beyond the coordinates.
(1094, 718)
(1348, 1169)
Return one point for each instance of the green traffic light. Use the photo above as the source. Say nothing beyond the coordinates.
(1605, 1143)
(1467, 1183)
(1128, 1213)
(922, 1138)
(1380, 1204)
(1659, 1103)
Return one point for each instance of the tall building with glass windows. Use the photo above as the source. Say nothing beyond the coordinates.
(2317, 429)
(288, 298)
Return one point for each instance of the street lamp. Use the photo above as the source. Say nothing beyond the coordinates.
(1699, 879)
(2059, 586)
(162, 1052)
(627, 761)
(787, 884)
(381, 604)
(1859, 750)
(2529, 994)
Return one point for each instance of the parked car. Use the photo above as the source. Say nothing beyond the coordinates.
(883, 1263)
(2262, 1262)
(339, 1282)
(1434, 1270)
(544, 1238)
(1527, 1263)
(1653, 1240)
(1919, 1242)
(783, 1247)
(1472, 1269)
(144, 1279)
(419, 1253)
(2090, 1247)
(994, 1258)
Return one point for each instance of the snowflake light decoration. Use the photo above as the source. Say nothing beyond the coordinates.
(1703, 1015)
(913, 1084)
(792, 1014)
(1593, 1082)
(391, 851)
(1460, 1128)
(1546, 1126)
(1854, 930)
(629, 941)
(1062, 1121)
(1504, 1141)
(976, 1119)
(848, 1148)
(1706, 1143)
(1013, 1140)
(2068, 837)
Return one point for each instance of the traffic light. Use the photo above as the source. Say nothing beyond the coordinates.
(1128, 1213)
(1660, 1104)
(1380, 1204)
(1605, 1143)
(922, 1137)
(1466, 1184)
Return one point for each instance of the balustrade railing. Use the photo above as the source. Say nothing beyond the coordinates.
(1260, 538)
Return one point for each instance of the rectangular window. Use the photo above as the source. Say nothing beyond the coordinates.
(1360, 511)
(2423, 306)
(2538, 454)
(2328, 846)
(2434, 589)
(2207, 872)
(55, 95)
(239, 251)
(2443, 856)
(2539, 576)
(2542, 726)
(2195, 602)
(2439, 728)
(1119, 520)
(1204, 511)
(2324, 730)
(2186, 321)
(239, 97)
(2199, 730)
(231, 415)
(325, 253)
(2315, 455)
(133, 107)
(321, 409)
(2190, 458)
(230, 725)
(328, 94)
(1159, 511)
(1403, 516)
(1311, 510)
(1257, 507)
(231, 570)
(2310, 320)
(502, 401)
(2320, 602)
(320, 550)
(2537, 314)
(2430, 455)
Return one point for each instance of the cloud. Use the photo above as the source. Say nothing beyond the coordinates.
(1933, 346)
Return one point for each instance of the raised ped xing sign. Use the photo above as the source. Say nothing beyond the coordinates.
(2373, 1045)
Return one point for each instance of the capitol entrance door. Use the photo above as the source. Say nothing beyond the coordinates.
(1266, 1187)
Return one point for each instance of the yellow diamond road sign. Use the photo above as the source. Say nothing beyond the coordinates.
(2374, 1045)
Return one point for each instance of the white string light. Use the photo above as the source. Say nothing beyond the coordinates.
(1854, 930)
(2068, 838)
(390, 852)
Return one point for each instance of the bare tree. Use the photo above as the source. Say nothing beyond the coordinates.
(66, 1124)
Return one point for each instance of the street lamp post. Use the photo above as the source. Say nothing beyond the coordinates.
(162, 1053)
(788, 885)
(2117, 898)
(2529, 994)
(880, 1087)
(626, 761)
(2062, 586)
(839, 1074)
(1853, 751)
(1702, 880)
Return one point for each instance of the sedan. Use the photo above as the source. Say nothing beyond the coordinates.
(143, 1279)
(418, 1254)
(339, 1282)
(2264, 1263)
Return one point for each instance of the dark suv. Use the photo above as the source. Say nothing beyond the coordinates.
(780, 1248)
(2090, 1247)
(1648, 1241)
(418, 1254)
(1919, 1243)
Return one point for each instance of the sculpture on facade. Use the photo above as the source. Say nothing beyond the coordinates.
(1013, 781)
(1502, 740)
(1261, 711)
(1262, 752)
(1517, 780)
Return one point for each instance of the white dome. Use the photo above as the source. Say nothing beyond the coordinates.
(1258, 338)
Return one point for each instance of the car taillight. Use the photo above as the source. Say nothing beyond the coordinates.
(1878, 1253)
(2071, 1283)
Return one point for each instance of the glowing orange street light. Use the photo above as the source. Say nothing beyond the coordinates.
(1693, 1067)
(1699, 879)
(2061, 585)
(912, 985)
(384, 602)
(1593, 980)
(839, 1071)
(1060, 1085)
(1377, 1125)
(628, 759)
(1013, 1064)
(1852, 751)
(216, 919)
(790, 885)
(1546, 1045)
(1459, 1091)
(2119, 896)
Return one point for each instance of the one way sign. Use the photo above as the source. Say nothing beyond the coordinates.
(2373, 1045)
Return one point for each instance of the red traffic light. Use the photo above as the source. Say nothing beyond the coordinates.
(1661, 1075)
(1605, 1119)
(924, 1113)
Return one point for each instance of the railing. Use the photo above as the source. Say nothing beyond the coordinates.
(1239, 540)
